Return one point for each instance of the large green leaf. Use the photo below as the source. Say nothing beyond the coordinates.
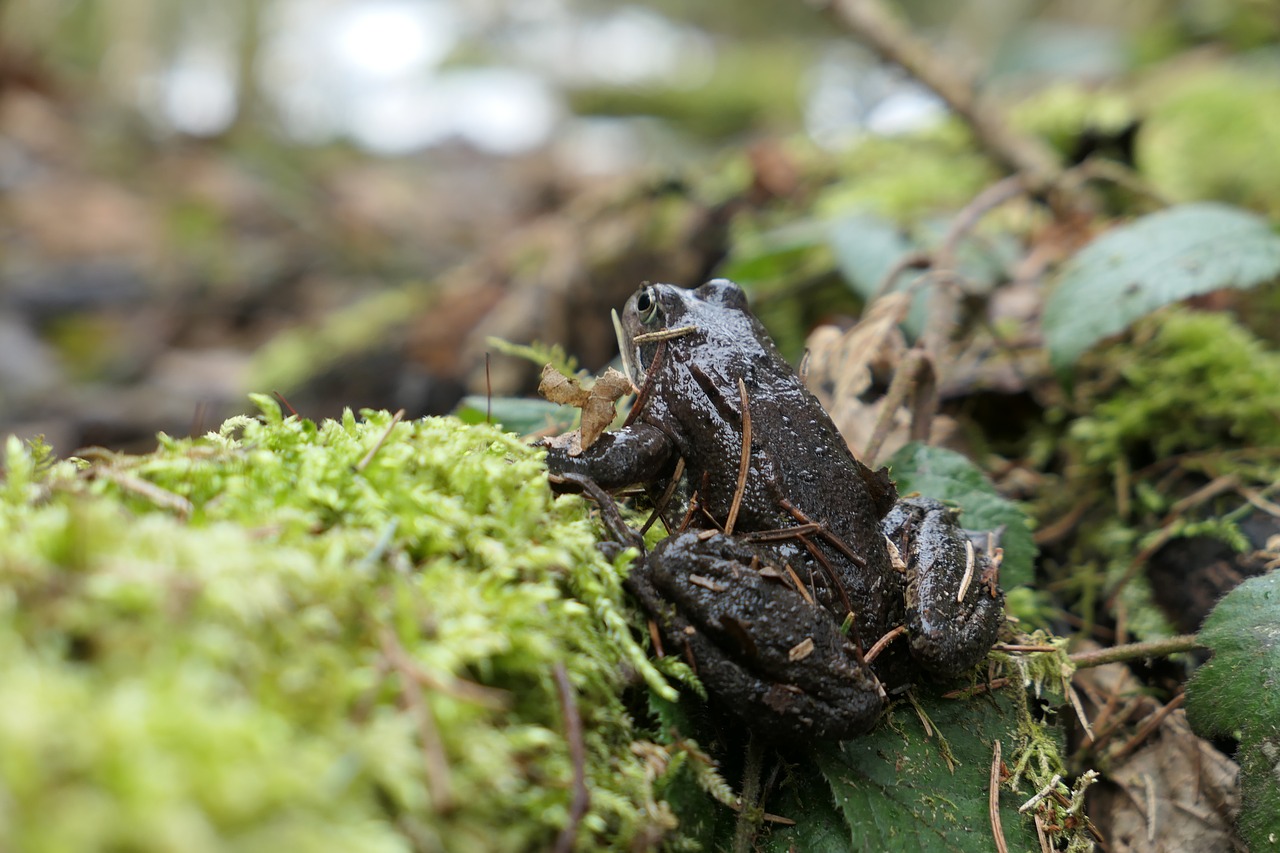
(948, 476)
(866, 247)
(893, 789)
(1151, 262)
(517, 414)
(1237, 694)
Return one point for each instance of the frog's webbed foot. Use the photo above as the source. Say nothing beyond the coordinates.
(773, 657)
(954, 608)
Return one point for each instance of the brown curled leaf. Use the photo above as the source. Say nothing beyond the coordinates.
(598, 402)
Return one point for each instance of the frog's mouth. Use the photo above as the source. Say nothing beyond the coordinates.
(626, 348)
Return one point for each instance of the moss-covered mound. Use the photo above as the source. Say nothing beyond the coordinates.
(285, 636)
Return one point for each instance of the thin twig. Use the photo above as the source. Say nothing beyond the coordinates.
(435, 760)
(1137, 651)
(1078, 706)
(646, 384)
(457, 688)
(158, 495)
(661, 505)
(286, 403)
(1041, 794)
(970, 558)
(910, 261)
(664, 334)
(1042, 834)
(745, 827)
(744, 461)
(889, 38)
(1111, 171)
(883, 643)
(1148, 726)
(800, 587)
(377, 445)
(993, 802)
(977, 689)
(968, 218)
(577, 755)
(916, 378)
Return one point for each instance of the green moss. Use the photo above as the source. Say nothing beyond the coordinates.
(1186, 398)
(291, 636)
(1216, 135)
(909, 178)
(1186, 381)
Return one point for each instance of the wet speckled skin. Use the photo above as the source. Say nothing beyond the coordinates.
(746, 631)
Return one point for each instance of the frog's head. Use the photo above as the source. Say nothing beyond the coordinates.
(713, 315)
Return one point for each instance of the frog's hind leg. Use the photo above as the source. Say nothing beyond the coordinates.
(954, 608)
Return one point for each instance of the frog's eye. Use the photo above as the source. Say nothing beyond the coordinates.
(647, 305)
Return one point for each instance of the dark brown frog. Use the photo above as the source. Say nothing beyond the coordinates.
(777, 594)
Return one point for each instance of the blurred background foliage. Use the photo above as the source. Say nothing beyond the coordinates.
(346, 201)
(186, 184)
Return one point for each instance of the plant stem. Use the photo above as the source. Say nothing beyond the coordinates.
(749, 812)
(1134, 651)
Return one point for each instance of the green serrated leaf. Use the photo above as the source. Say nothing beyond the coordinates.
(1153, 261)
(895, 790)
(948, 476)
(1237, 694)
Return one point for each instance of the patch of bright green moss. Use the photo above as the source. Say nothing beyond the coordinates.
(1188, 381)
(289, 636)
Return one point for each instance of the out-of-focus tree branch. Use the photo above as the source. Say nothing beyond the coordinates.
(873, 23)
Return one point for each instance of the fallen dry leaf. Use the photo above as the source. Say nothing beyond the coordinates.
(844, 366)
(1175, 792)
(598, 402)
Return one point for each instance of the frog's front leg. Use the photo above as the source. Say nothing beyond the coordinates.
(949, 632)
(768, 654)
(639, 453)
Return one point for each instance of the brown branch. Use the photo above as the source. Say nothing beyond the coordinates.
(969, 217)
(873, 23)
(1137, 651)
